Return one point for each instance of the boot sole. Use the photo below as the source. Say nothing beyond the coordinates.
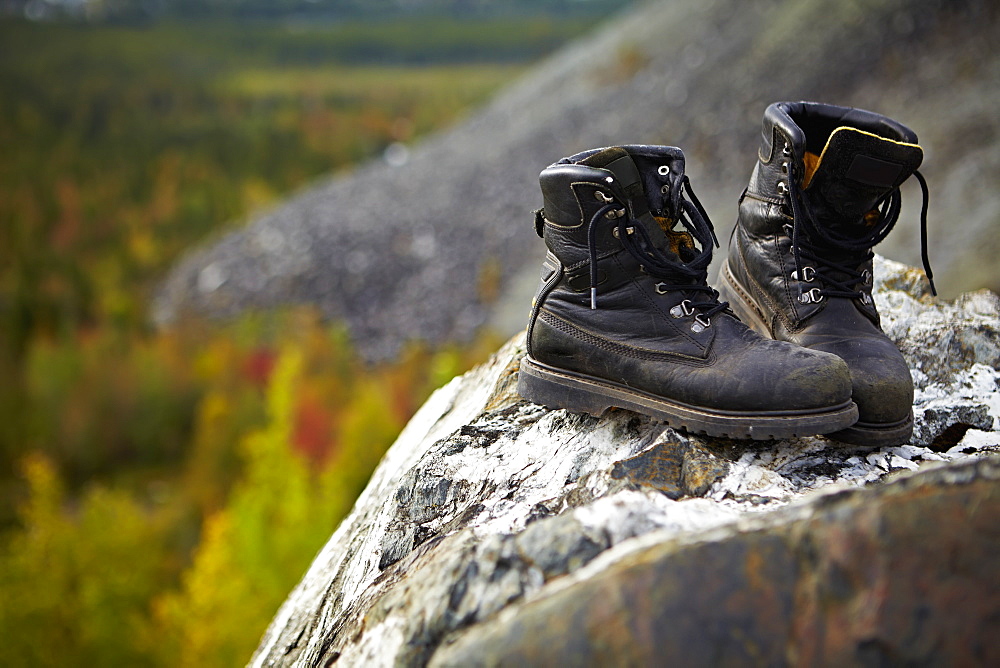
(555, 388)
(874, 434)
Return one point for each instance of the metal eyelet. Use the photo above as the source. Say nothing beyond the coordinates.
(661, 288)
(866, 277)
(599, 195)
(782, 188)
(784, 166)
(700, 324)
(811, 297)
(787, 150)
(866, 299)
(663, 170)
(681, 310)
(788, 230)
(628, 230)
(665, 190)
(615, 213)
(808, 274)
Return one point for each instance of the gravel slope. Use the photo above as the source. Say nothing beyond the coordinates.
(401, 253)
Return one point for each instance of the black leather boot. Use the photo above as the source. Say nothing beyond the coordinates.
(824, 191)
(624, 317)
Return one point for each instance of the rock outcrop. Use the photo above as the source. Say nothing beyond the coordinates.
(896, 575)
(499, 532)
(404, 252)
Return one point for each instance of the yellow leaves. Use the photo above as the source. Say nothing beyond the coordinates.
(285, 505)
(99, 574)
(367, 430)
(254, 549)
(209, 469)
(203, 617)
(46, 494)
(74, 583)
(256, 194)
(142, 246)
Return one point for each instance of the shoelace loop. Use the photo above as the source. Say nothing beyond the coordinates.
(690, 276)
(808, 237)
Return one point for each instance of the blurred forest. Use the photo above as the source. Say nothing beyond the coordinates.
(162, 491)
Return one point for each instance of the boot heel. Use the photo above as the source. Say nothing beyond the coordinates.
(540, 387)
(730, 292)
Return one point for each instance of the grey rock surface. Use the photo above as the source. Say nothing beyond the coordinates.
(402, 252)
(487, 503)
(856, 577)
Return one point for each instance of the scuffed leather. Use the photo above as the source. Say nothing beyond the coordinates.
(632, 339)
(883, 388)
(741, 372)
(631, 310)
(761, 259)
(763, 249)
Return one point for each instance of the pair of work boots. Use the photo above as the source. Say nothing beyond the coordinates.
(790, 345)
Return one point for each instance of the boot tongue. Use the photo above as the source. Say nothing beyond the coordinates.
(855, 170)
(618, 161)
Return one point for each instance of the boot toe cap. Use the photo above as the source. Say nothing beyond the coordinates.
(775, 376)
(882, 386)
(807, 380)
(883, 391)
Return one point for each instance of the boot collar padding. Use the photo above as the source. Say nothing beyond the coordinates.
(790, 122)
(865, 158)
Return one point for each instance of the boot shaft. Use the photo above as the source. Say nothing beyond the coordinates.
(846, 161)
(823, 193)
(642, 180)
(615, 263)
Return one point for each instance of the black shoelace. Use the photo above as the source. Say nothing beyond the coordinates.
(689, 276)
(813, 242)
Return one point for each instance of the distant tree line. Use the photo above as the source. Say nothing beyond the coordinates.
(139, 11)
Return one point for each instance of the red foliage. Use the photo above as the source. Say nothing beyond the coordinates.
(258, 366)
(313, 431)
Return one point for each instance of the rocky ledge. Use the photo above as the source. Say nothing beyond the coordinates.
(496, 531)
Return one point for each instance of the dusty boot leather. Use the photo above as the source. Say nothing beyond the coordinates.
(624, 317)
(824, 191)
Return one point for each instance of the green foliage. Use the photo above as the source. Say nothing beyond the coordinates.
(288, 426)
(160, 492)
(120, 403)
(144, 12)
(75, 583)
(257, 545)
(169, 132)
(122, 147)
